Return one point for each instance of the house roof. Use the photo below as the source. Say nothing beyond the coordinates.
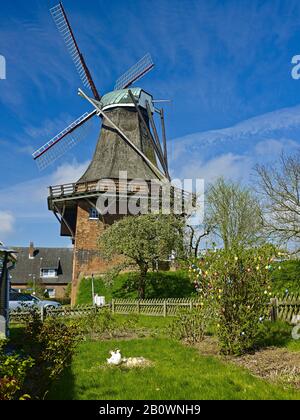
(60, 259)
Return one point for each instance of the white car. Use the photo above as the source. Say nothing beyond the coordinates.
(22, 301)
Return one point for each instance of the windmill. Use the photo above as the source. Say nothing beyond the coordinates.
(121, 96)
(128, 142)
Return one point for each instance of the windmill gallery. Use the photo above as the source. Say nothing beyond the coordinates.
(129, 157)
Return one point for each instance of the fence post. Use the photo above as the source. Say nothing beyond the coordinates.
(191, 306)
(43, 313)
(274, 309)
(113, 306)
(165, 308)
(138, 307)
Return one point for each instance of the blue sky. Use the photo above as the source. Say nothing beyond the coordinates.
(226, 66)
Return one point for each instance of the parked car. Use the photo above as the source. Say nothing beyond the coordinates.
(22, 300)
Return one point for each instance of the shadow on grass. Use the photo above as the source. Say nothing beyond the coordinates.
(162, 284)
(65, 390)
(32, 383)
(277, 334)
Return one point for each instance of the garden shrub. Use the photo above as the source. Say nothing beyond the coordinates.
(53, 345)
(50, 346)
(190, 325)
(276, 334)
(41, 353)
(236, 283)
(13, 371)
(104, 323)
(97, 323)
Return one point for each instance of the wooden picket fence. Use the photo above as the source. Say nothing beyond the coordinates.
(285, 308)
(281, 308)
(152, 307)
(21, 316)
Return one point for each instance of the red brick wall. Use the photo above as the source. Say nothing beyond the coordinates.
(87, 259)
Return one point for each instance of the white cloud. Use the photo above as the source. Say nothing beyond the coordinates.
(6, 223)
(262, 125)
(273, 147)
(233, 152)
(69, 172)
(29, 199)
(228, 165)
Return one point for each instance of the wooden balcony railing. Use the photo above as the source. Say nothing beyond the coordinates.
(114, 186)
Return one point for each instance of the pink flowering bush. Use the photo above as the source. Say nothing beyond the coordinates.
(236, 284)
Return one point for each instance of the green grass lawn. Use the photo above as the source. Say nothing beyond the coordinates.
(179, 372)
(167, 284)
(163, 284)
(293, 345)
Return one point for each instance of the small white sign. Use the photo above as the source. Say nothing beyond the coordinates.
(99, 300)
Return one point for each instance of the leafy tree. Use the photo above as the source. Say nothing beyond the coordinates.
(285, 278)
(279, 186)
(234, 214)
(143, 241)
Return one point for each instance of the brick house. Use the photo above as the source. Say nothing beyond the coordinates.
(46, 268)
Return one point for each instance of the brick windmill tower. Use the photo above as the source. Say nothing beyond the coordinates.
(130, 159)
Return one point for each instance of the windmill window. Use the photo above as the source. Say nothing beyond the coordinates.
(48, 273)
(93, 214)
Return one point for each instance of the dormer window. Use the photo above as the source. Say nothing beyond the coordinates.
(48, 273)
(93, 214)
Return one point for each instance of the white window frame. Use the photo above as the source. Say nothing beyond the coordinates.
(48, 276)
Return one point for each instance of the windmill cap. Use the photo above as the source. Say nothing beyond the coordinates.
(121, 98)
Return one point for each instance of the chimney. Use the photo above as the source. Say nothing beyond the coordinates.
(31, 251)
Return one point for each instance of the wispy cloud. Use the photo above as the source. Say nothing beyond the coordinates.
(7, 222)
(228, 165)
(273, 147)
(29, 199)
(233, 151)
(260, 126)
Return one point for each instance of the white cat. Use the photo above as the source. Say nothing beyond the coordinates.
(116, 358)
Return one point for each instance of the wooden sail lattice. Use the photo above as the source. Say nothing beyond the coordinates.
(62, 23)
(63, 141)
(135, 73)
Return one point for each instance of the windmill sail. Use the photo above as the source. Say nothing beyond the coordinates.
(61, 20)
(135, 73)
(63, 141)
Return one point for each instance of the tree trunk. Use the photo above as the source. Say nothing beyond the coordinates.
(142, 281)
